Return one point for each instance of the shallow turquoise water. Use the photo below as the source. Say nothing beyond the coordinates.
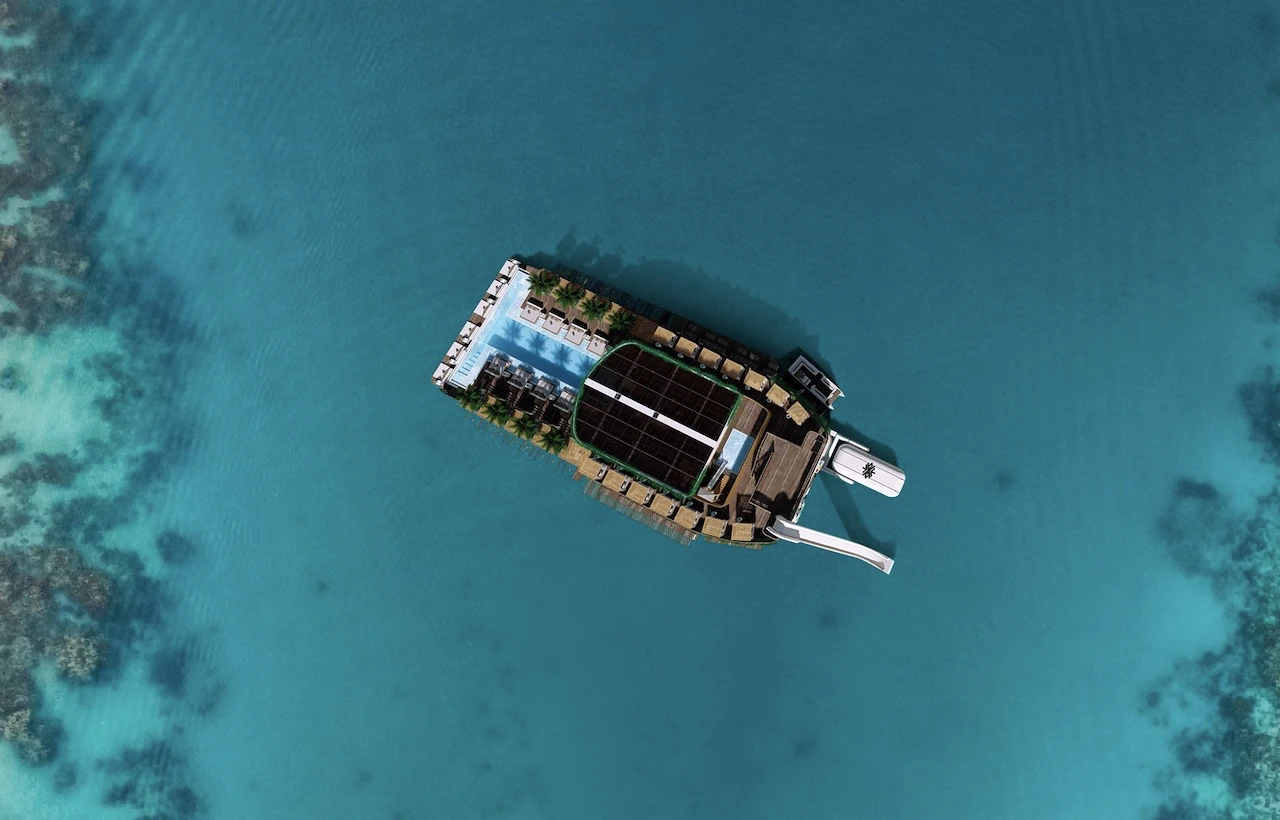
(1024, 238)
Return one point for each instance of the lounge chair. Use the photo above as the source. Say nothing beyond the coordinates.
(554, 322)
(532, 311)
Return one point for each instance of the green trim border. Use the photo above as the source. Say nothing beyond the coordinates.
(623, 467)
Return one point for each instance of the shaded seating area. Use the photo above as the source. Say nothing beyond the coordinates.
(521, 377)
(686, 347)
(598, 344)
(756, 381)
(468, 330)
(797, 413)
(616, 481)
(564, 401)
(664, 337)
(455, 350)
(486, 305)
(714, 527)
(532, 310)
(544, 389)
(732, 369)
(577, 333)
(591, 468)
(742, 532)
(710, 358)
(662, 504)
(778, 396)
(688, 518)
(639, 493)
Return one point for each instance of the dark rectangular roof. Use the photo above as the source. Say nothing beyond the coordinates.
(673, 391)
(641, 441)
(636, 438)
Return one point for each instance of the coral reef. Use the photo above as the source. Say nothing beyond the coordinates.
(1228, 765)
(152, 779)
(94, 346)
(41, 618)
(78, 655)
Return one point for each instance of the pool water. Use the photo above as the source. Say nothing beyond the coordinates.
(735, 450)
(505, 332)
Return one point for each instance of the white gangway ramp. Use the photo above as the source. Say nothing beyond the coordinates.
(788, 530)
(854, 464)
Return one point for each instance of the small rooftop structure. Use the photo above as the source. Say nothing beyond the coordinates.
(777, 395)
(686, 347)
(616, 481)
(688, 518)
(714, 527)
(638, 493)
(732, 369)
(755, 381)
(815, 381)
(663, 505)
(592, 469)
(797, 413)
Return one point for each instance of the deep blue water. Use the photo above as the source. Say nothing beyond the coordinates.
(1026, 239)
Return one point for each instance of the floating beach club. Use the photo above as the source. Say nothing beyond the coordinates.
(685, 430)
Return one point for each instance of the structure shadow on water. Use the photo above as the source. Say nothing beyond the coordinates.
(715, 302)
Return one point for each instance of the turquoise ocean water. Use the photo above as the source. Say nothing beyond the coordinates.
(1027, 238)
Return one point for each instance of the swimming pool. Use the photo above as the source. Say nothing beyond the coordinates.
(505, 332)
(735, 450)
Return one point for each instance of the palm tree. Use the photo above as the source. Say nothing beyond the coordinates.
(553, 440)
(499, 412)
(542, 282)
(567, 296)
(471, 398)
(593, 307)
(526, 426)
(621, 320)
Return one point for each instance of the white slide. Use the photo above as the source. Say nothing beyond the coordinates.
(788, 530)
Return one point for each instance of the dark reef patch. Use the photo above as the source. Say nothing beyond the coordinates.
(65, 777)
(175, 549)
(154, 779)
(74, 597)
(168, 671)
(1198, 526)
(244, 220)
(805, 746)
(1223, 708)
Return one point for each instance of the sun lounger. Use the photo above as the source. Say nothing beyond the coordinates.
(532, 311)
(554, 322)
